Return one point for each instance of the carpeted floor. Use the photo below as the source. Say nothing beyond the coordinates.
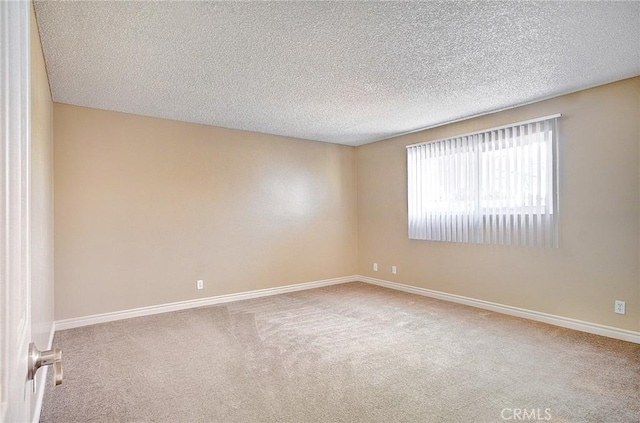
(345, 353)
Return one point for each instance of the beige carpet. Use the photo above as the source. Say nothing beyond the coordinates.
(346, 353)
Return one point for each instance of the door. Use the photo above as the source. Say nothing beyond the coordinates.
(15, 312)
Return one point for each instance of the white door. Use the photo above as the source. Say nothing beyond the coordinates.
(15, 312)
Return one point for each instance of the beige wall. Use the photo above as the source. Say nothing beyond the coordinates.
(597, 261)
(41, 197)
(144, 207)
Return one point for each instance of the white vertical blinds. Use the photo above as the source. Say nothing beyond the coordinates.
(497, 186)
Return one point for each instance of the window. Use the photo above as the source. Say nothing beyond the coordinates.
(497, 186)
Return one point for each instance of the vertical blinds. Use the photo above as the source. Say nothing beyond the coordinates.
(497, 186)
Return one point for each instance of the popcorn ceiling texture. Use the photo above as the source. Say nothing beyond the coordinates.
(343, 72)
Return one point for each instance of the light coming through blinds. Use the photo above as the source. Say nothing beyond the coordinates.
(497, 186)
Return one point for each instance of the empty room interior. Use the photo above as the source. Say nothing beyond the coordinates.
(320, 211)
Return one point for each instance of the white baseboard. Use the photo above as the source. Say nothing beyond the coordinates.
(565, 322)
(200, 302)
(594, 328)
(41, 379)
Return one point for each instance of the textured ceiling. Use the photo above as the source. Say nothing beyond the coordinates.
(343, 72)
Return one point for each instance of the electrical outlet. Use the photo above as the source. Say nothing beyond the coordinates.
(394, 270)
(200, 284)
(375, 267)
(620, 307)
